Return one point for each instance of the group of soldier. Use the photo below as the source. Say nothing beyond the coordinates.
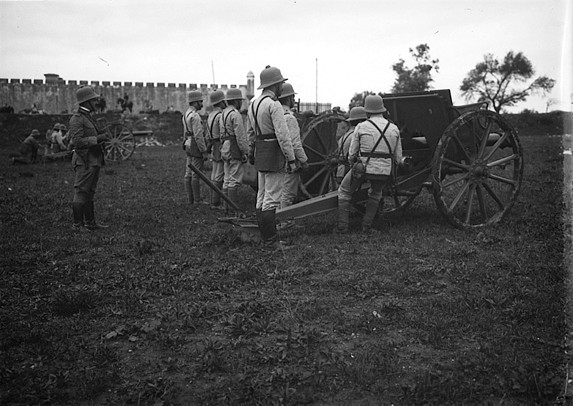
(270, 141)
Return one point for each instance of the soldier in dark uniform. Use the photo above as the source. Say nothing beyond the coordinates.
(87, 159)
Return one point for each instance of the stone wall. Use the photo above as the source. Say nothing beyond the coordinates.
(54, 95)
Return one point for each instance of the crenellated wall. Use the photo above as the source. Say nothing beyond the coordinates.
(55, 95)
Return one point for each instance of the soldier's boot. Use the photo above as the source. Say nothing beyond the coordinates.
(232, 193)
(215, 197)
(269, 232)
(224, 204)
(343, 216)
(196, 187)
(78, 215)
(371, 209)
(189, 191)
(89, 218)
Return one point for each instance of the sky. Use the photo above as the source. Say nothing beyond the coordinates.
(328, 49)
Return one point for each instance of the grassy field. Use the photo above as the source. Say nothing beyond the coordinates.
(169, 307)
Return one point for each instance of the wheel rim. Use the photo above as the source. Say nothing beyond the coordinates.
(121, 143)
(477, 170)
(319, 140)
(398, 200)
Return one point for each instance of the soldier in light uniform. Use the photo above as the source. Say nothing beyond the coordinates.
(194, 145)
(87, 159)
(356, 115)
(272, 149)
(292, 179)
(217, 99)
(234, 144)
(379, 157)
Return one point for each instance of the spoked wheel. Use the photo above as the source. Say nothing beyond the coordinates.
(398, 200)
(319, 140)
(477, 169)
(121, 143)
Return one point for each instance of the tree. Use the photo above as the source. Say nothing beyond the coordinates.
(418, 78)
(497, 82)
(358, 99)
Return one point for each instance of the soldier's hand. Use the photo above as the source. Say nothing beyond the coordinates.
(351, 159)
(205, 155)
(244, 158)
(291, 168)
(252, 157)
(304, 166)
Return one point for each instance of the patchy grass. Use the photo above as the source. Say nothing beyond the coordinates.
(168, 307)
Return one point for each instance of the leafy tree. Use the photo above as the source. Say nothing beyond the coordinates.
(418, 78)
(497, 82)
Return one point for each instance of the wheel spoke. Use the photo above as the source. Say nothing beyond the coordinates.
(324, 183)
(493, 196)
(481, 202)
(483, 141)
(457, 164)
(317, 163)
(503, 160)
(315, 176)
(470, 202)
(462, 149)
(315, 130)
(454, 181)
(502, 179)
(495, 146)
(459, 196)
(320, 154)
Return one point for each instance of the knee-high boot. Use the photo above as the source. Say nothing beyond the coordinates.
(371, 209)
(225, 205)
(343, 215)
(78, 214)
(89, 216)
(196, 187)
(189, 191)
(232, 193)
(269, 228)
(215, 197)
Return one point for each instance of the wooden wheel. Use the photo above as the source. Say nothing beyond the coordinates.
(319, 140)
(121, 143)
(397, 200)
(477, 169)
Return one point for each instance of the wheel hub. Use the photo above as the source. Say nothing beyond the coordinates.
(479, 171)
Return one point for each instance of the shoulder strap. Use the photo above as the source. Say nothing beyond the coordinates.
(257, 128)
(213, 123)
(185, 116)
(379, 138)
(225, 122)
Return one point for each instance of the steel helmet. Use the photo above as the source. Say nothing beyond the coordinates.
(287, 90)
(217, 97)
(83, 94)
(357, 113)
(35, 133)
(57, 126)
(63, 127)
(374, 104)
(234, 94)
(194, 95)
(270, 76)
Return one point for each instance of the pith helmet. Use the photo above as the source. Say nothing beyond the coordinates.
(287, 90)
(270, 76)
(357, 113)
(217, 97)
(234, 94)
(83, 94)
(194, 95)
(374, 104)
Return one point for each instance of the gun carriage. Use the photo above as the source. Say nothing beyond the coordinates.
(470, 158)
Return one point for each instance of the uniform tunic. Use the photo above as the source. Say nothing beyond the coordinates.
(88, 155)
(214, 133)
(270, 119)
(195, 145)
(291, 180)
(234, 146)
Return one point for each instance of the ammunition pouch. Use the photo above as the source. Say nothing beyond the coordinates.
(216, 149)
(268, 154)
(193, 149)
(235, 151)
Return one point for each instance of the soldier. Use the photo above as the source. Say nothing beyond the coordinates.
(270, 149)
(376, 143)
(217, 99)
(28, 151)
(292, 179)
(356, 115)
(194, 145)
(87, 159)
(235, 144)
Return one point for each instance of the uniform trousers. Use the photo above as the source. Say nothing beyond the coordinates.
(270, 190)
(85, 182)
(233, 173)
(217, 172)
(290, 188)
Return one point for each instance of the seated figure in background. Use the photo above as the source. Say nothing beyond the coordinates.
(28, 151)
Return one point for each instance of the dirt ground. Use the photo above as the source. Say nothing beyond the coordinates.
(169, 307)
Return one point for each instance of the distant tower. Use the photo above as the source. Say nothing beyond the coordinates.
(250, 85)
